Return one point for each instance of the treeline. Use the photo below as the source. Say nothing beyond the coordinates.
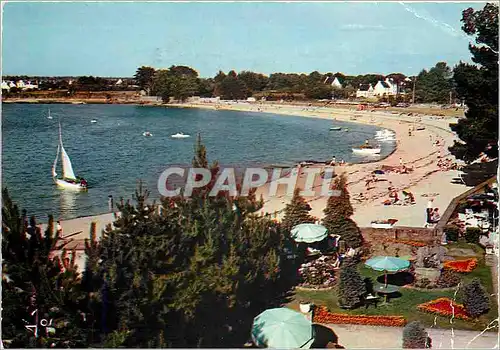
(83, 83)
(181, 82)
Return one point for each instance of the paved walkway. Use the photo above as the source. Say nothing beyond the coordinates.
(357, 336)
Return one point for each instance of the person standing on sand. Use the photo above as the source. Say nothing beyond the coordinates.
(400, 161)
(59, 229)
(430, 203)
(110, 203)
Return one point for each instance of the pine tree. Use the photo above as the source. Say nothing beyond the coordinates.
(475, 298)
(415, 336)
(38, 284)
(297, 211)
(338, 214)
(193, 275)
(477, 85)
(351, 288)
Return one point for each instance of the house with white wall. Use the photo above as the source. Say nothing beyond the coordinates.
(5, 85)
(333, 81)
(365, 90)
(387, 87)
(30, 86)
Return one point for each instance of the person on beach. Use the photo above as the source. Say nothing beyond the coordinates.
(59, 229)
(435, 217)
(110, 203)
(400, 161)
(430, 203)
(334, 161)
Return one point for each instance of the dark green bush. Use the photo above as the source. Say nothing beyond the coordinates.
(475, 298)
(472, 234)
(448, 279)
(452, 232)
(415, 336)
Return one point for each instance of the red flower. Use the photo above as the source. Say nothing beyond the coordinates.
(466, 265)
(322, 315)
(444, 307)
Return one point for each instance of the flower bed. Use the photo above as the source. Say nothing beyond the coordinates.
(318, 274)
(444, 307)
(322, 315)
(408, 242)
(466, 265)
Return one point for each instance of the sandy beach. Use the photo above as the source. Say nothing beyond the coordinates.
(417, 151)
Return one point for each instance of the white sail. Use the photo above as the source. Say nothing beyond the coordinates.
(54, 167)
(66, 162)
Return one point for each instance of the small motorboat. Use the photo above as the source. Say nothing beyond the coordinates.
(93, 121)
(147, 133)
(180, 135)
(367, 149)
(335, 128)
(346, 130)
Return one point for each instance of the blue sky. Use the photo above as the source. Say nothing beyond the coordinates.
(113, 39)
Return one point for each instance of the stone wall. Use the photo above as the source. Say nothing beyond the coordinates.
(400, 232)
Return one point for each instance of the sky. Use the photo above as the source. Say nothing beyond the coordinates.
(113, 39)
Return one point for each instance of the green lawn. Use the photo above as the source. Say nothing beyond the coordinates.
(406, 304)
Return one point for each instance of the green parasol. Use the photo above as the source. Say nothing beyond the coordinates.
(282, 328)
(387, 264)
(309, 233)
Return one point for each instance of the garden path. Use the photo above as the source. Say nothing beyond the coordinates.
(358, 336)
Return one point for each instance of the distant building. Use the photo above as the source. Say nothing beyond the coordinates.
(119, 82)
(20, 84)
(365, 90)
(385, 87)
(333, 81)
(30, 86)
(5, 85)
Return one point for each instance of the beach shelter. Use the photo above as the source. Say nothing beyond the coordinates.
(387, 264)
(282, 328)
(308, 233)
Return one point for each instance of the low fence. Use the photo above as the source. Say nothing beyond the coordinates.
(420, 234)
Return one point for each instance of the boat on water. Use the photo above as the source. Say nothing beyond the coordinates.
(68, 179)
(93, 121)
(335, 128)
(147, 133)
(49, 117)
(367, 149)
(180, 135)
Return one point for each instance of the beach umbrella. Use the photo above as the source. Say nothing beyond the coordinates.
(282, 328)
(387, 264)
(309, 233)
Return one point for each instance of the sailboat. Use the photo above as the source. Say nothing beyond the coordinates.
(49, 117)
(68, 180)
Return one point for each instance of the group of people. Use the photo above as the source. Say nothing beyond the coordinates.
(409, 198)
(333, 162)
(432, 214)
